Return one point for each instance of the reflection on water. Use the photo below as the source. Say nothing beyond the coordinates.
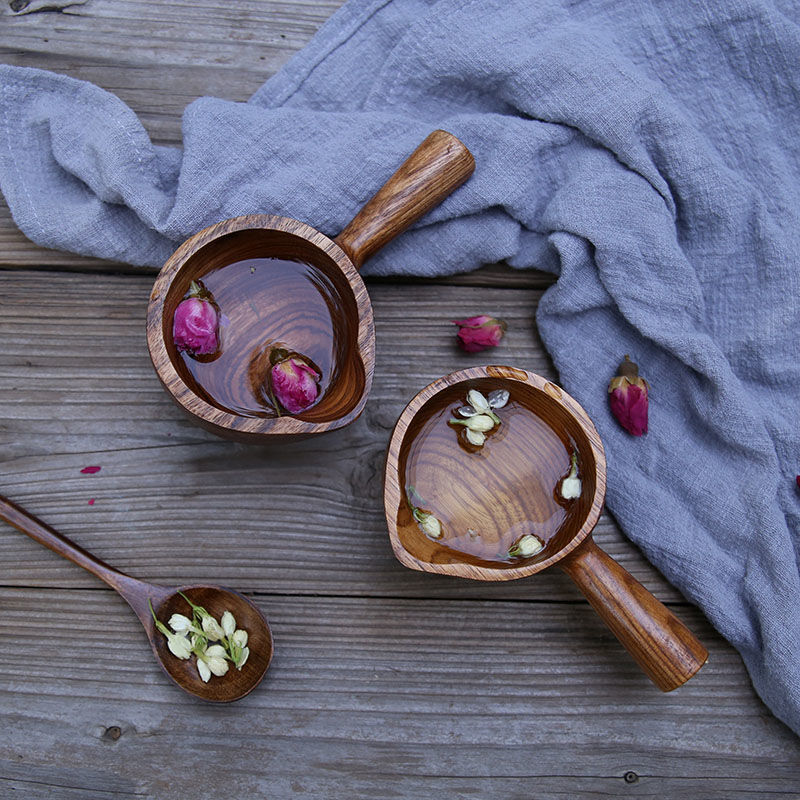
(266, 302)
(488, 498)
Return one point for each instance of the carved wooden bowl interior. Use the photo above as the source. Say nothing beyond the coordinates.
(488, 497)
(276, 281)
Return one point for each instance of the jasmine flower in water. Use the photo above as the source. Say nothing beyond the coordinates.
(428, 523)
(571, 485)
(478, 415)
(527, 545)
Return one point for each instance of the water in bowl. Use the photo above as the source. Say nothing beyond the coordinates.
(265, 303)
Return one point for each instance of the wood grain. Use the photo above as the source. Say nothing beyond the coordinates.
(523, 460)
(77, 346)
(463, 689)
(361, 697)
(436, 168)
(388, 698)
(658, 641)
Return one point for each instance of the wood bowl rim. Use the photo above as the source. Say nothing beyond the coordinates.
(393, 496)
(225, 423)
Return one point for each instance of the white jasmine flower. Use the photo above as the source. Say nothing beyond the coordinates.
(477, 401)
(212, 629)
(498, 398)
(476, 437)
(178, 645)
(527, 545)
(429, 524)
(571, 485)
(480, 422)
(181, 624)
(228, 622)
(191, 637)
(427, 521)
(481, 404)
(476, 426)
(212, 662)
(237, 648)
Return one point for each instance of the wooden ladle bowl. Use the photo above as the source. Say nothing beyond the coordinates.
(487, 498)
(280, 282)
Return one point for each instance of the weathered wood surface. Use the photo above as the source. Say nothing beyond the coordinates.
(304, 530)
(376, 698)
(385, 683)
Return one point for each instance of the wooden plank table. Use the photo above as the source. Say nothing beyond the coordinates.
(385, 683)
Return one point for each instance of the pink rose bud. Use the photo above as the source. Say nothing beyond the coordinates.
(628, 398)
(797, 479)
(294, 381)
(479, 333)
(196, 324)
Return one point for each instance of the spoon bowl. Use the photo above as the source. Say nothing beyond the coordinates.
(279, 283)
(235, 684)
(488, 499)
(147, 599)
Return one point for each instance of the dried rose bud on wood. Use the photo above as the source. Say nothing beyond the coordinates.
(195, 327)
(628, 398)
(294, 381)
(479, 333)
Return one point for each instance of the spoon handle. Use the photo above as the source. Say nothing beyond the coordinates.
(661, 644)
(134, 591)
(433, 171)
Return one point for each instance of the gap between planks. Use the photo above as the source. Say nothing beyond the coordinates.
(257, 593)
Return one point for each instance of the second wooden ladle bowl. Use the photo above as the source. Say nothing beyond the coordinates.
(485, 499)
(280, 283)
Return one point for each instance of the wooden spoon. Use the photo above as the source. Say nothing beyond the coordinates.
(487, 498)
(311, 298)
(165, 601)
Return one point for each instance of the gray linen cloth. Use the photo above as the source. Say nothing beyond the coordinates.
(645, 152)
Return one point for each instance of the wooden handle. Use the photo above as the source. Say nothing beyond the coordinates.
(660, 643)
(434, 170)
(134, 591)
